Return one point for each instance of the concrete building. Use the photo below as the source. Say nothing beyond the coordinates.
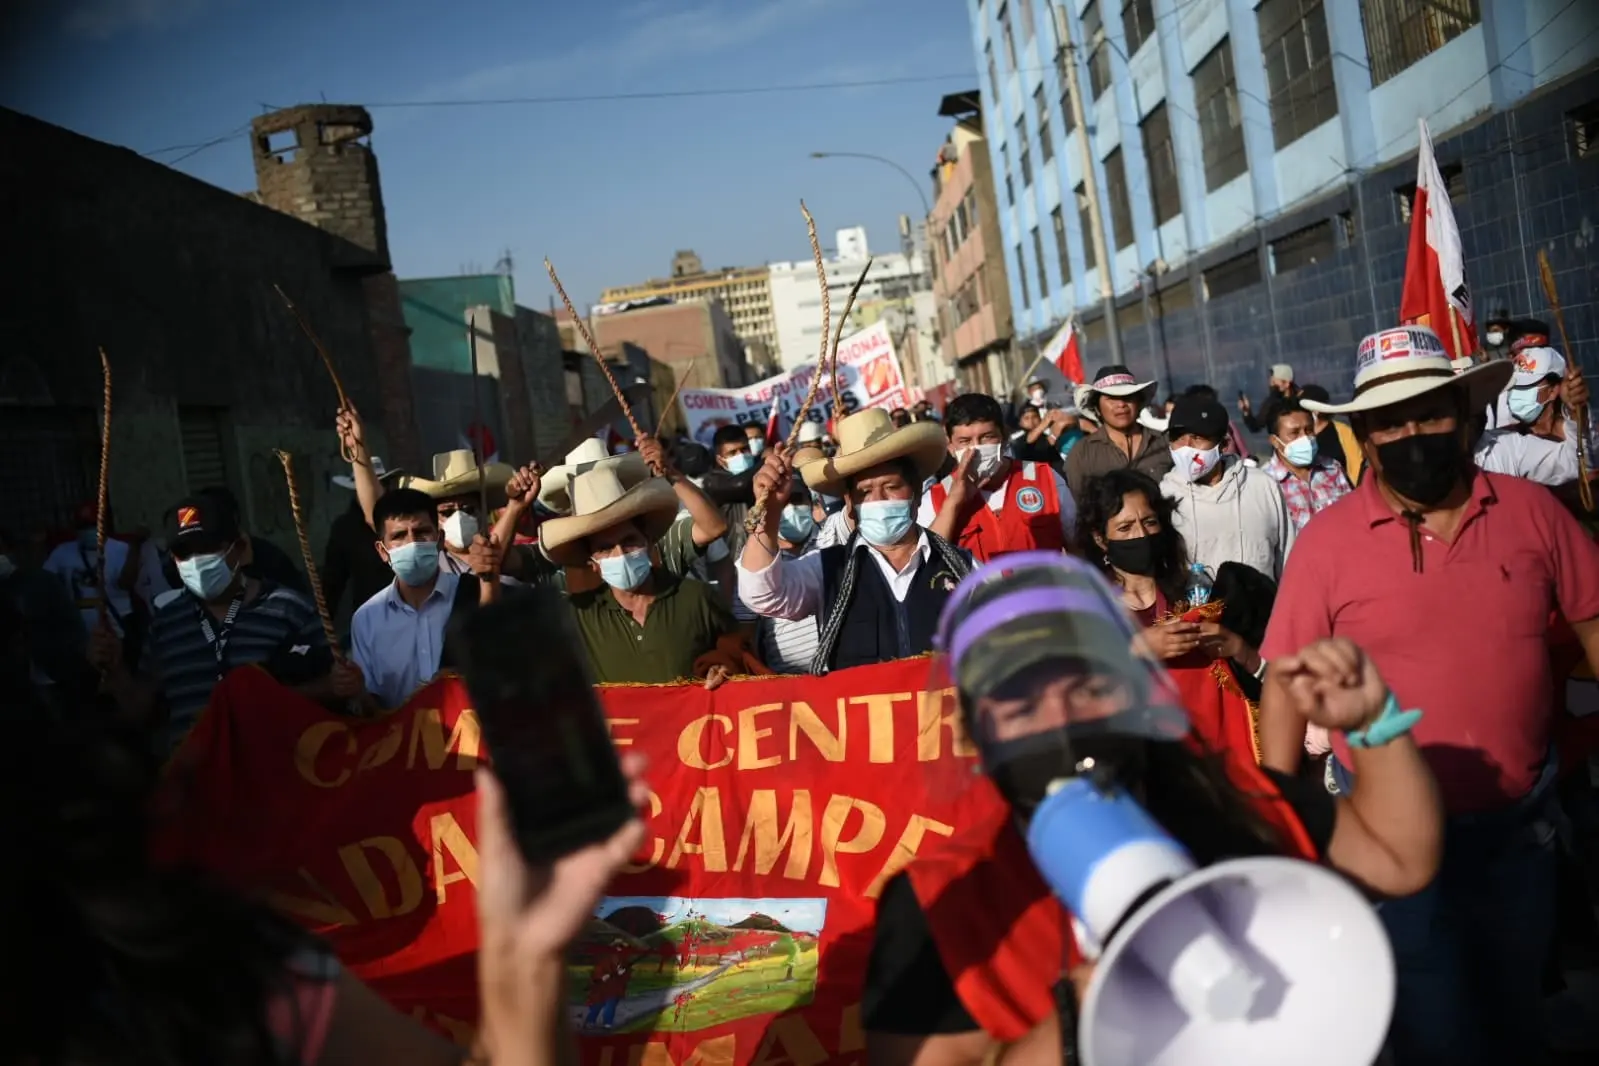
(173, 278)
(1255, 161)
(742, 291)
(698, 332)
(969, 256)
(797, 303)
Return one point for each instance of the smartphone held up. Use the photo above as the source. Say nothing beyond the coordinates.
(543, 724)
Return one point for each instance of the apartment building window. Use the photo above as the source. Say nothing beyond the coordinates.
(1221, 125)
(1010, 188)
(972, 216)
(1121, 209)
(1156, 131)
(1303, 247)
(1010, 37)
(1024, 157)
(1138, 22)
(993, 72)
(1038, 257)
(1046, 143)
(1026, 8)
(1021, 275)
(1068, 119)
(1232, 275)
(1085, 226)
(1299, 78)
(1098, 51)
(1400, 32)
(1058, 220)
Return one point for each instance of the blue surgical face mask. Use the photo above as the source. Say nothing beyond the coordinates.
(415, 563)
(207, 576)
(757, 445)
(626, 571)
(741, 463)
(885, 522)
(797, 523)
(1524, 405)
(1300, 452)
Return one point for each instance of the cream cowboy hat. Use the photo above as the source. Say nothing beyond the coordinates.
(1115, 381)
(868, 438)
(456, 474)
(600, 501)
(555, 490)
(1399, 364)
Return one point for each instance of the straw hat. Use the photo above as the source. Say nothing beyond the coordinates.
(555, 487)
(456, 474)
(601, 501)
(1115, 380)
(1399, 364)
(869, 438)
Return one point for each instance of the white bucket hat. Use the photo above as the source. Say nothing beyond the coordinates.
(1399, 364)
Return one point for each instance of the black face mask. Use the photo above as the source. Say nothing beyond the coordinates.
(1136, 556)
(1024, 769)
(1424, 467)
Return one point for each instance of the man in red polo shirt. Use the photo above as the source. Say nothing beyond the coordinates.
(1447, 576)
(992, 504)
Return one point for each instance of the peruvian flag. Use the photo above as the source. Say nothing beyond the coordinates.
(1435, 270)
(771, 423)
(479, 440)
(1062, 350)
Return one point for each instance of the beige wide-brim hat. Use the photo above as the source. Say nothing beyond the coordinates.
(600, 501)
(1399, 364)
(555, 488)
(1115, 381)
(456, 474)
(869, 438)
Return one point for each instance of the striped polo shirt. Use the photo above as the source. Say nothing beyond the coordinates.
(278, 628)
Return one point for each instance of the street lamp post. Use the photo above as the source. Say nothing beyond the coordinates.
(926, 210)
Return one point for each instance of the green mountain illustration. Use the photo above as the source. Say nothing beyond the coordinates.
(763, 922)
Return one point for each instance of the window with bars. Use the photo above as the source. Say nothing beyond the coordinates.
(1010, 37)
(1299, 77)
(1232, 275)
(1138, 22)
(1121, 208)
(1024, 159)
(1098, 51)
(1400, 32)
(1303, 247)
(1057, 221)
(1454, 175)
(1010, 188)
(1046, 143)
(1038, 257)
(1085, 226)
(993, 71)
(1582, 123)
(1021, 275)
(1221, 125)
(1163, 190)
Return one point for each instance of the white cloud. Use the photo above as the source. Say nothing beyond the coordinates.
(105, 18)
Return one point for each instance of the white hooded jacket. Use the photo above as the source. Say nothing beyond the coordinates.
(1242, 518)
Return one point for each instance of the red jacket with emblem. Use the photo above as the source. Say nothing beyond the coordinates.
(1028, 520)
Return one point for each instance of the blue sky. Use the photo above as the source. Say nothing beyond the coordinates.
(607, 189)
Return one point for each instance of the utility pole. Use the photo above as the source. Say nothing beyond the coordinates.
(1066, 61)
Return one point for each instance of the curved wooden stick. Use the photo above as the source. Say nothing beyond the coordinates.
(316, 342)
(103, 496)
(305, 554)
(675, 394)
(1546, 275)
(594, 350)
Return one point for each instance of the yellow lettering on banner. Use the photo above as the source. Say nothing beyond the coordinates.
(904, 851)
(880, 723)
(789, 1040)
(612, 723)
(370, 887)
(324, 910)
(427, 732)
(448, 836)
(386, 748)
(707, 811)
(937, 710)
(657, 845)
(690, 740)
(864, 840)
(829, 745)
(761, 827)
(717, 1052)
(750, 736)
(851, 1037)
(310, 745)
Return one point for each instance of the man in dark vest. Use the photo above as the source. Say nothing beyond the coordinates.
(878, 595)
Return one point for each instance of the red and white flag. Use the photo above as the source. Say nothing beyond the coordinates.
(1063, 351)
(771, 423)
(1435, 293)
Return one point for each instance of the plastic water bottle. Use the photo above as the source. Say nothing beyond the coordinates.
(1198, 585)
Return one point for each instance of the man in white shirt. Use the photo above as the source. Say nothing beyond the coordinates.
(76, 565)
(1539, 442)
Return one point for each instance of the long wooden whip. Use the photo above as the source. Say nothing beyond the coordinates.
(1580, 412)
(594, 350)
(667, 410)
(103, 496)
(316, 342)
(305, 554)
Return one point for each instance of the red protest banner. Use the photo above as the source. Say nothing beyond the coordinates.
(780, 807)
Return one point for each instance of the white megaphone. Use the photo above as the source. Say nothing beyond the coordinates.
(1250, 962)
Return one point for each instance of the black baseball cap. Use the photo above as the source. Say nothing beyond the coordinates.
(1199, 415)
(203, 523)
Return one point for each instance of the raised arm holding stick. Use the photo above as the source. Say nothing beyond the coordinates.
(1579, 412)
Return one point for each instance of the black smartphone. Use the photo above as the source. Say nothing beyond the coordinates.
(547, 738)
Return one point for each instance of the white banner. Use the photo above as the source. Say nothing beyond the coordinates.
(869, 376)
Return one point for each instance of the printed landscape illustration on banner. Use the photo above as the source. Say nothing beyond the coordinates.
(661, 963)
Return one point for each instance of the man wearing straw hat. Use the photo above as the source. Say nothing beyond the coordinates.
(1427, 558)
(644, 625)
(877, 596)
(457, 485)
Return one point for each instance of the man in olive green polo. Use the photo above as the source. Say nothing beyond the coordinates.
(643, 625)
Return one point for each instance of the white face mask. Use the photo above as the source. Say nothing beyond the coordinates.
(459, 529)
(988, 459)
(1192, 465)
(1496, 337)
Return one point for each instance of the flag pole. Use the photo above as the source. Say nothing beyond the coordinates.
(1454, 330)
